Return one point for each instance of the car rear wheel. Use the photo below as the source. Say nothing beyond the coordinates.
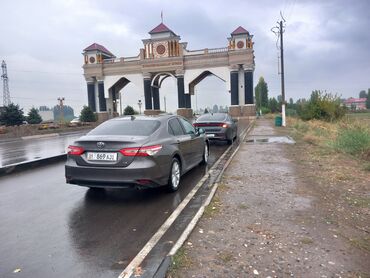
(205, 154)
(175, 175)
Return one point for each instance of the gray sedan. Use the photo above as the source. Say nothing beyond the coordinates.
(136, 151)
(218, 126)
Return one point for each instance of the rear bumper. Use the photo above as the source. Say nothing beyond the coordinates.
(216, 136)
(137, 174)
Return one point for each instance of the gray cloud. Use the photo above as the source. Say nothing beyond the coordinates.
(326, 42)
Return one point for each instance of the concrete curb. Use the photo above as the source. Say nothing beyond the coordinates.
(167, 261)
(18, 167)
(40, 136)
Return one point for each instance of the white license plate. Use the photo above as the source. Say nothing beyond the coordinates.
(102, 156)
(210, 135)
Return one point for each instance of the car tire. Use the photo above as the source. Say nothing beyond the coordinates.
(175, 176)
(205, 154)
(229, 141)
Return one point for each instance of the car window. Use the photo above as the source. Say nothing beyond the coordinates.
(126, 127)
(189, 129)
(174, 127)
(212, 117)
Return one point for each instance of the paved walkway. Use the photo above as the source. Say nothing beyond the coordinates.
(258, 225)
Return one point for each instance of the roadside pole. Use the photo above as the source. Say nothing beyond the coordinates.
(282, 74)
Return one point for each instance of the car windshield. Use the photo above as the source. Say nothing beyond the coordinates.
(212, 117)
(126, 127)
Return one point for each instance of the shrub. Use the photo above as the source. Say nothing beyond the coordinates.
(265, 110)
(291, 112)
(322, 106)
(87, 115)
(129, 110)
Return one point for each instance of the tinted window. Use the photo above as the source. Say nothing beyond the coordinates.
(175, 127)
(189, 129)
(212, 117)
(126, 127)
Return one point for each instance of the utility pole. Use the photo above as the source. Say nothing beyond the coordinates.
(282, 73)
(279, 31)
(61, 107)
(4, 77)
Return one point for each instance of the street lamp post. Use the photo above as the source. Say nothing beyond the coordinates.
(139, 103)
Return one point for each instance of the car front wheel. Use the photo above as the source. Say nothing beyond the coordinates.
(175, 175)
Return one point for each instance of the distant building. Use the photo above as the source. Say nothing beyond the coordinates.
(355, 103)
(47, 115)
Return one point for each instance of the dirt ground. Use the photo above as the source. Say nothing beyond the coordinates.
(283, 210)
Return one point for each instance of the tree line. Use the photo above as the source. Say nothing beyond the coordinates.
(320, 105)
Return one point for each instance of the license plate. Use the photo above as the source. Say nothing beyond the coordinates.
(102, 156)
(210, 135)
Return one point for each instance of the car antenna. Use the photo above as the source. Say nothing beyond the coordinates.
(132, 118)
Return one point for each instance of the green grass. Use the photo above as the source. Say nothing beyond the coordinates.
(354, 140)
(179, 261)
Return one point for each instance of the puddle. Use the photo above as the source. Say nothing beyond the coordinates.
(270, 139)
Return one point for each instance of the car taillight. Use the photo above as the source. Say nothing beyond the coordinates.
(75, 150)
(143, 151)
(225, 125)
(196, 125)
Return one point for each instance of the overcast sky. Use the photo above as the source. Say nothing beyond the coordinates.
(327, 44)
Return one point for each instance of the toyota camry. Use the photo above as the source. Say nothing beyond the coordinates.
(137, 151)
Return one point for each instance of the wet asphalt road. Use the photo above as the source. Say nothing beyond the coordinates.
(51, 229)
(19, 151)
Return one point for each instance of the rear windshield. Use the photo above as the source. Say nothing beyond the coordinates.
(214, 117)
(126, 127)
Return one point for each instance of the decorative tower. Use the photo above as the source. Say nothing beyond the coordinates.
(96, 53)
(163, 42)
(240, 39)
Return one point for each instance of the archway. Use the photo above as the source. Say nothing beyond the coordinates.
(209, 91)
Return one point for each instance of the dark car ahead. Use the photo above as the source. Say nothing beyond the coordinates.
(218, 126)
(136, 151)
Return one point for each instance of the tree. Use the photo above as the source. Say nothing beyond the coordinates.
(206, 111)
(261, 93)
(87, 115)
(363, 94)
(33, 116)
(12, 115)
(368, 99)
(273, 105)
(129, 110)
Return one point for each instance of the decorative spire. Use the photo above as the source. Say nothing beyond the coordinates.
(162, 16)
